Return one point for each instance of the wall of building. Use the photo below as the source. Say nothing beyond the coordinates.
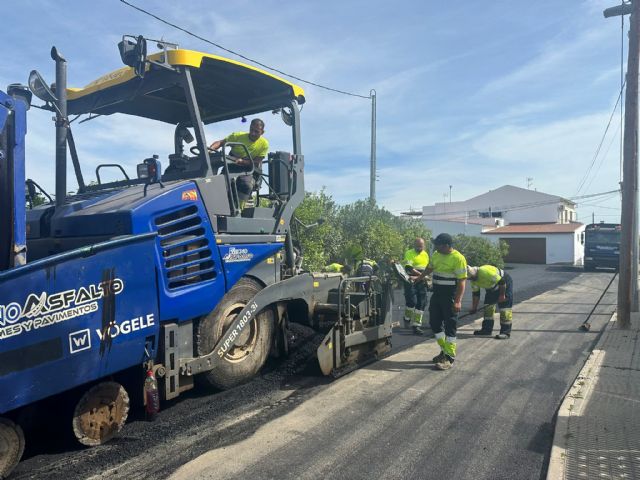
(541, 214)
(578, 248)
(453, 228)
(560, 248)
(500, 200)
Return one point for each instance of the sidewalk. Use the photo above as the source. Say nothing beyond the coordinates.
(597, 432)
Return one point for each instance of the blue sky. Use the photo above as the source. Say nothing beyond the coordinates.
(470, 94)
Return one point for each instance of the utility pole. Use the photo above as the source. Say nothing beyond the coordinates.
(627, 282)
(450, 187)
(529, 182)
(372, 179)
(593, 217)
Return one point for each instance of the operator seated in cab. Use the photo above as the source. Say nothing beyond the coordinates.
(257, 146)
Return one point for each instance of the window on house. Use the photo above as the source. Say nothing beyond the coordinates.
(490, 214)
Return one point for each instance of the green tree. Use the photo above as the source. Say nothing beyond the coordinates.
(319, 244)
(412, 228)
(352, 232)
(38, 199)
(480, 251)
(369, 230)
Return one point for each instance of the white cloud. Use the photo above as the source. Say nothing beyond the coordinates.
(551, 63)
(556, 154)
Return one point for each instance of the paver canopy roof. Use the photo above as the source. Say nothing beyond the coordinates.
(224, 89)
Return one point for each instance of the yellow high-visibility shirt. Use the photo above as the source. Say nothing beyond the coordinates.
(488, 278)
(448, 268)
(419, 261)
(259, 148)
(334, 268)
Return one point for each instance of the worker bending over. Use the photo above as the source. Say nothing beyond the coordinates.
(337, 268)
(416, 260)
(366, 268)
(498, 290)
(449, 269)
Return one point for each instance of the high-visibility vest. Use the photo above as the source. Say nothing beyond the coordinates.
(416, 260)
(488, 278)
(447, 269)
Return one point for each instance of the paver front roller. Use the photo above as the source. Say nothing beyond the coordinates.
(100, 413)
(11, 446)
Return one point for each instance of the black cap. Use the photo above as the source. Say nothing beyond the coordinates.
(443, 239)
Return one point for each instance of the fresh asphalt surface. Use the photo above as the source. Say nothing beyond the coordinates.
(491, 416)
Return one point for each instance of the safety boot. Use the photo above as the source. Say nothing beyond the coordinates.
(438, 358)
(506, 317)
(445, 364)
(486, 329)
(482, 333)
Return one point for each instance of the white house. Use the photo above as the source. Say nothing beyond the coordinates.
(542, 243)
(504, 206)
(539, 228)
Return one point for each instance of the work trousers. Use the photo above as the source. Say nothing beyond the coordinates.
(415, 295)
(441, 314)
(491, 296)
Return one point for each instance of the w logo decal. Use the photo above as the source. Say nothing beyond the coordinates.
(80, 340)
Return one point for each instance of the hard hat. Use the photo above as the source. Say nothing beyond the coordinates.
(472, 271)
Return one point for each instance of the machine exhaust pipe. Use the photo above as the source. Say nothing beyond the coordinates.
(62, 125)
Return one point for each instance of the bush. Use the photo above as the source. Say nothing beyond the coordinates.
(480, 251)
(319, 244)
(352, 232)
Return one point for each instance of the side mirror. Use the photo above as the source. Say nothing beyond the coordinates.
(22, 92)
(150, 169)
(134, 53)
(287, 116)
(40, 89)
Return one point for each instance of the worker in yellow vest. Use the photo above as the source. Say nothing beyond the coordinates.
(498, 287)
(337, 268)
(416, 260)
(449, 269)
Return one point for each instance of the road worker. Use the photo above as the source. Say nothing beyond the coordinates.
(449, 268)
(257, 146)
(416, 260)
(337, 268)
(366, 268)
(498, 290)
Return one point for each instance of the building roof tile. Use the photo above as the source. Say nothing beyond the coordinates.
(536, 228)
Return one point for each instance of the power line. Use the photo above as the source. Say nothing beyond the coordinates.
(595, 155)
(188, 32)
(600, 206)
(603, 156)
(521, 206)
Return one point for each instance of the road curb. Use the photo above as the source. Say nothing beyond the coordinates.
(573, 404)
